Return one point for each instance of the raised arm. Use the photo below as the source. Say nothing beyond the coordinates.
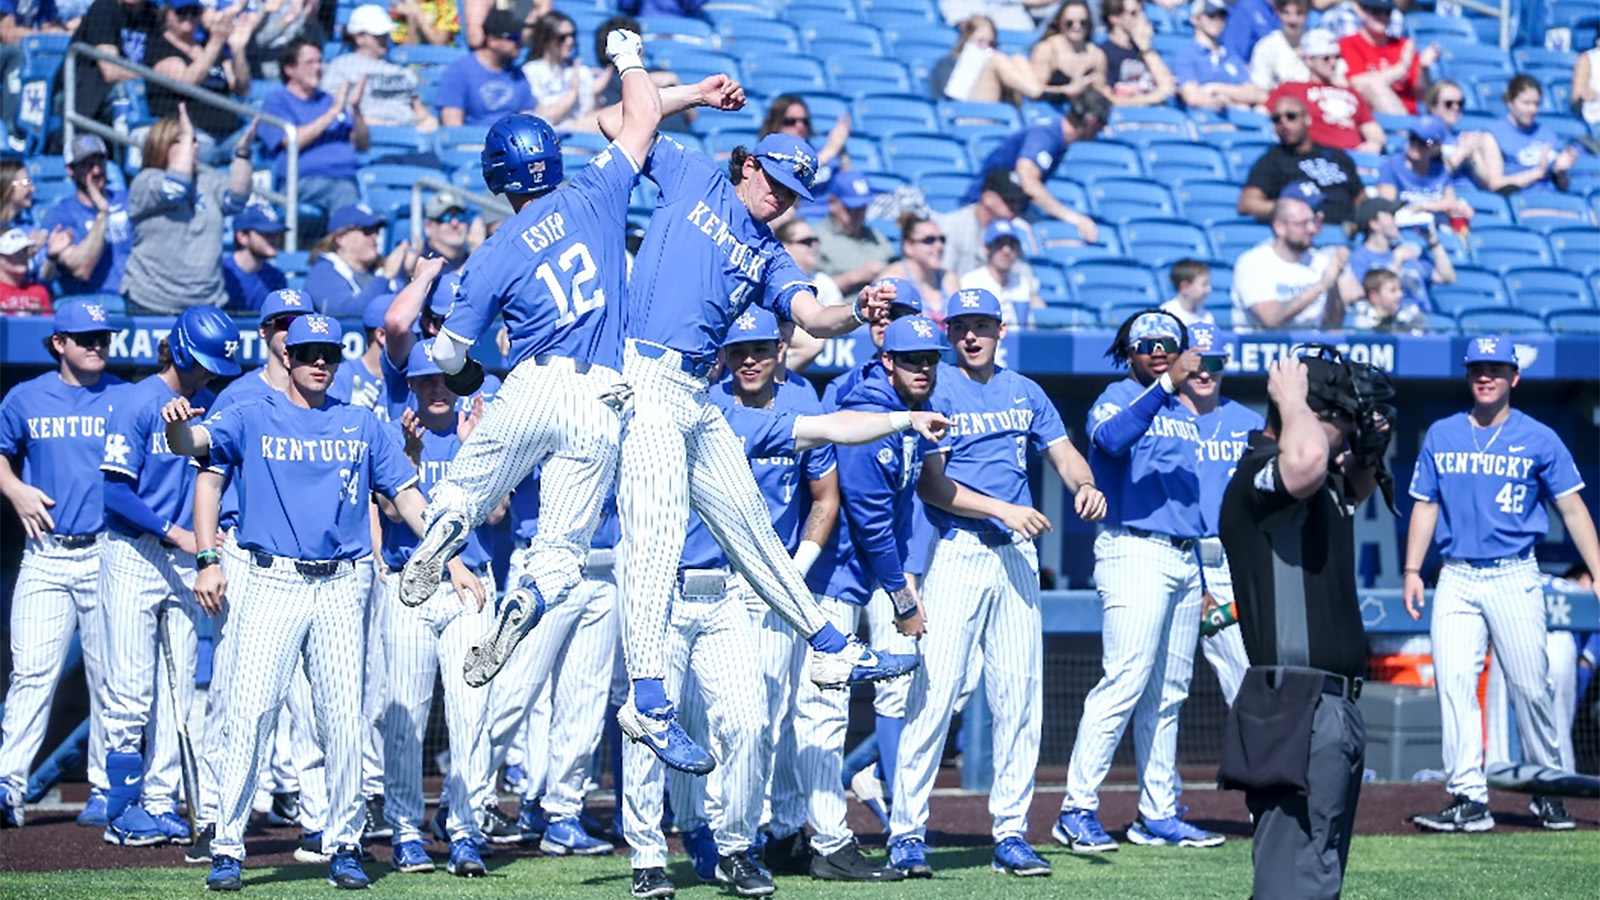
(1302, 447)
(714, 91)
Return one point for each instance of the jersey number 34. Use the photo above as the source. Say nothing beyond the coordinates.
(573, 305)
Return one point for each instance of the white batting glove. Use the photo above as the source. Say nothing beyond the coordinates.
(626, 50)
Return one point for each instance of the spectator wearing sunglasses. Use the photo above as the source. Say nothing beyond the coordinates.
(1340, 116)
(206, 49)
(1065, 58)
(19, 294)
(1446, 101)
(1296, 157)
(248, 274)
(445, 227)
(801, 241)
(850, 251)
(922, 263)
(789, 115)
(1418, 176)
(567, 91)
(346, 267)
(1209, 75)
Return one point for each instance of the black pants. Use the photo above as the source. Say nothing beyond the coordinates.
(1302, 842)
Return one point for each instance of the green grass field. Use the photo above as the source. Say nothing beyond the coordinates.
(1457, 867)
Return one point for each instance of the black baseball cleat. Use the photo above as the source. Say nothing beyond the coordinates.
(200, 850)
(1552, 813)
(376, 827)
(847, 864)
(652, 883)
(498, 827)
(1461, 815)
(285, 809)
(788, 855)
(744, 875)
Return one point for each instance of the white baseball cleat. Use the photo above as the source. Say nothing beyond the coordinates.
(425, 569)
(858, 664)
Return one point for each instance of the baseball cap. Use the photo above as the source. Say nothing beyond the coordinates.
(84, 146)
(377, 308)
(1155, 324)
(1491, 348)
(999, 230)
(755, 325)
(852, 188)
(501, 23)
(14, 241)
(356, 215)
(1208, 7)
(1319, 42)
(972, 302)
(1369, 209)
(314, 329)
(906, 295)
(1377, 5)
(1004, 183)
(369, 18)
(81, 318)
(1431, 129)
(1209, 340)
(258, 218)
(286, 301)
(789, 161)
(1306, 191)
(442, 298)
(913, 333)
(420, 363)
(182, 4)
(441, 203)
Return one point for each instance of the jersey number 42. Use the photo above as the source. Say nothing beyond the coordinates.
(573, 305)
(1511, 498)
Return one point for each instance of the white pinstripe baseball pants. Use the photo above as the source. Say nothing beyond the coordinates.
(57, 592)
(889, 697)
(710, 670)
(1562, 652)
(1225, 649)
(976, 597)
(142, 581)
(678, 452)
(288, 620)
(1470, 607)
(1150, 595)
(781, 656)
(564, 665)
(425, 641)
(213, 743)
(375, 673)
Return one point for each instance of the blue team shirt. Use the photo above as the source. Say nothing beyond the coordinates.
(1043, 145)
(359, 386)
(247, 290)
(782, 478)
(59, 432)
(1248, 22)
(1522, 148)
(331, 155)
(306, 475)
(397, 397)
(704, 259)
(557, 271)
(77, 217)
(1224, 437)
(482, 95)
(1411, 187)
(439, 448)
(31, 14)
(987, 448)
(1153, 482)
(768, 434)
(1195, 63)
(841, 385)
(1491, 501)
(1415, 274)
(136, 447)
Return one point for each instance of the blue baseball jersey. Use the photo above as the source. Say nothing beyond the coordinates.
(1224, 437)
(136, 448)
(59, 433)
(397, 397)
(556, 271)
(306, 475)
(525, 515)
(439, 448)
(768, 434)
(987, 448)
(879, 511)
(357, 385)
(782, 478)
(249, 386)
(1491, 484)
(1144, 450)
(1043, 145)
(704, 259)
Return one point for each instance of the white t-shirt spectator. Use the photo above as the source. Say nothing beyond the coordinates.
(1274, 62)
(1176, 307)
(390, 90)
(1262, 275)
(549, 83)
(1018, 290)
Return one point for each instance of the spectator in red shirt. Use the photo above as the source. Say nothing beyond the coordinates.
(1387, 71)
(1340, 117)
(19, 295)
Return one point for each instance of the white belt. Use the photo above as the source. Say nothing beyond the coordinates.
(1211, 551)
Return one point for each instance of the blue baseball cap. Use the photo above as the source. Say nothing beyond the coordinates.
(853, 189)
(789, 161)
(913, 333)
(1431, 129)
(314, 329)
(420, 363)
(377, 308)
(442, 297)
(259, 218)
(905, 295)
(1209, 340)
(755, 325)
(1491, 348)
(182, 4)
(1304, 190)
(973, 302)
(81, 317)
(286, 301)
(1155, 324)
(356, 215)
(999, 230)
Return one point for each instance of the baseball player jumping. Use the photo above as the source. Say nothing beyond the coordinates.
(147, 569)
(1144, 452)
(1480, 485)
(55, 426)
(981, 590)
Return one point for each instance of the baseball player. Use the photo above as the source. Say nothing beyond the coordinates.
(360, 381)
(1480, 486)
(55, 426)
(146, 576)
(1144, 449)
(305, 465)
(424, 640)
(1224, 427)
(981, 589)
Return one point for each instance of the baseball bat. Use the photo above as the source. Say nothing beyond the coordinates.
(191, 772)
(1528, 778)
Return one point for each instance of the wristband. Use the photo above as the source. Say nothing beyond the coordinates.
(806, 555)
(855, 313)
(628, 62)
(1166, 383)
(900, 420)
(1086, 484)
(205, 559)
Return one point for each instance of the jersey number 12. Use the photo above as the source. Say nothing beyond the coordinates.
(578, 304)
(1511, 498)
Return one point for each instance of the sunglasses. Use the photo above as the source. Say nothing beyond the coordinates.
(1147, 346)
(371, 230)
(928, 241)
(919, 359)
(811, 241)
(282, 323)
(91, 339)
(1285, 117)
(311, 354)
(1075, 23)
(1213, 364)
(567, 35)
(454, 217)
(1450, 104)
(796, 121)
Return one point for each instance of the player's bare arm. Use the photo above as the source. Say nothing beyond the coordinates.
(848, 426)
(825, 501)
(872, 305)
(406, 307)
(641, 99)
(1303, 448)
(210, 585)
(938, 489)
(32, 505)
(714, 91)
(1087, 501)
(1580, 525)
(183, 438)
(1419, 534)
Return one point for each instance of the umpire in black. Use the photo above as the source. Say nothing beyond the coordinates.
(1295, 741)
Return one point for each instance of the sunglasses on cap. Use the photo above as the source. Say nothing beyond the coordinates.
(803, 167)
(1213, 364)
(311, 354)
(921, 359)
(91, 339)
(1147, 346)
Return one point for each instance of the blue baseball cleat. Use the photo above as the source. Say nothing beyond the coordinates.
(858, 664)
(515, 615)
(1015, 856)
(11, 806)
(530, 819)
(345, 873)
(702, 849)
(665, 738)
(135, 828)
(464, 859)
(174, 827)
(224, 875)
(566, 837)
(910, 855)
(409, 857)
(1171, 832)
(514, 777)
(1080, 831)
(94, 812)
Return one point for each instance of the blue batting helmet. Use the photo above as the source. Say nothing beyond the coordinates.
(521, 155)
(204, 336)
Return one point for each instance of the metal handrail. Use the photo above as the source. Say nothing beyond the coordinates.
(428, 182)
(1500, 9)
(72, 119)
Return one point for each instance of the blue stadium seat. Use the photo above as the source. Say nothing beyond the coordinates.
(835, 37)
(390, 175)
(297, 262)
(1455, 53)
(1067, 315)
(1488, 208)
(1159, 242)
(1234, 237)
(944, 190)
(1542, 289)
(1145, 124)
(1071, 193)
(1573, 321)
(424, 55)
(1173, 161)
(41, 44)
(1425, 26)
(1574, 246)
(1053, 236)
(1103, 159)
(1367, 165)
(966, 114)
(886, 114)
(936, 37)
(864, 153)
(982, 139)
(719, 11)
(691, 62)
(459, 137)
(44, 169)
(777, 73)
(855, 73)
(1128, 279)
(1121, 199)
(1546, 205)
(719, 144)
(931, 151)
(838, 11)
(391, 202)
(925, 8)
(886, 182)
(678, 29)
(1473, 288)
(1512, 321)
(1052, 279)
(1206, 202)
(36, 120)
(395, 138)
(1507, 246)
(748, 37)
(1242, 153)
(825, 108)
(1221, 276)
(1115, 307)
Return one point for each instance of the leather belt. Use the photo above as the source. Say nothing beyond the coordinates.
(1184, 544)
(1340, 686)
(1524, 556)
(75, 541)
(702, 583)
(310, 568)
(681, 362)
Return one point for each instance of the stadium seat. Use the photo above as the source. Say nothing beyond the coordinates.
(1542, 289)
(965, 114)
(1071, 193)
(1242, 153)
(1087, 160)
(1547, 205)
(389, 175)
(719, 144)
(36, 120)
(853, 74)
(395, 138)
(885, 114)
(720, 11)
(1052, 278)
(1507, 246)
(1067, 315)
(777, 73)
(46, 169)
(836, 37)
(982, 139)
(864, 153)
(1221, 276)
(838, 11)
(1457, 53)
(932, 151)
(944, 190)
(749, 37)
(1473, 288)
(1573, 321)
(926, 8)
(1206, 202)
(1175, 161)
(421, 56)
(1426, 26)
(1488, 208)
(1513, 321)
(1146, 124)
(691, 62)
(1367, 165)
(1114, 306)
(825, 108)
(1126, 280)
(1234, 237)
(1159, 242)
(1122, 199)
(1574, 246)
(677, 29)
(459, 137)
(1053, 237)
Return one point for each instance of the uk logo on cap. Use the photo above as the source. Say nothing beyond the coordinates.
(746, 322)
(318, 324)
(969, 299)
(1488, 345)
(97, 313)
(293, 298)
(923, 327)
